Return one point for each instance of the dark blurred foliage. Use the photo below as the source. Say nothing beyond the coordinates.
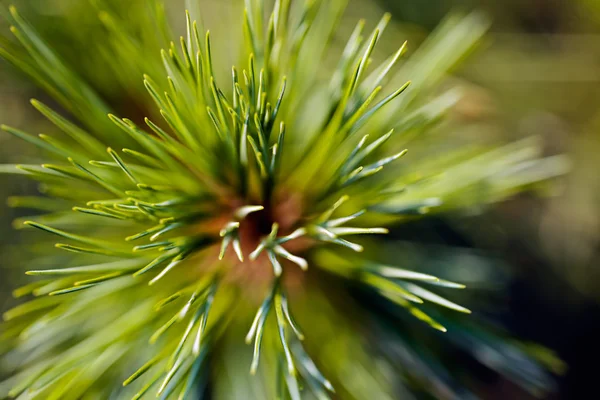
(539, 74)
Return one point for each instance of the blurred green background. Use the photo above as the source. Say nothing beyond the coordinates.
(536, 74)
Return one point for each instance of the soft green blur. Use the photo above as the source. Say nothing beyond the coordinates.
(538, 74)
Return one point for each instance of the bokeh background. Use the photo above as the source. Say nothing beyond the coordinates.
(537, 73)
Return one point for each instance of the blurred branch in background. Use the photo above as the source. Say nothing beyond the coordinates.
(539, 75)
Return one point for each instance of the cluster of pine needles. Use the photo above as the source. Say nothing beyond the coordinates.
(238, 197)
